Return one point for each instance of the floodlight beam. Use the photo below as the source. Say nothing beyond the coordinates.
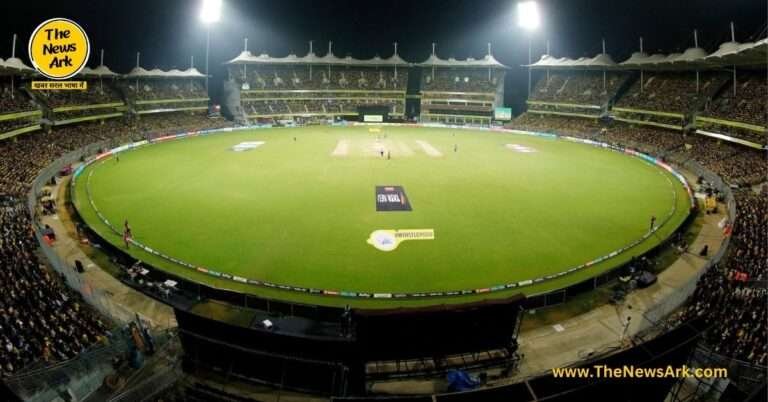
(210, 11)
(528, 19)
(528, 15)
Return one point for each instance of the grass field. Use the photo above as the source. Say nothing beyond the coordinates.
(298, 209)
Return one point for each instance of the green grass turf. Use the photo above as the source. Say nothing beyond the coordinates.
(290, 213)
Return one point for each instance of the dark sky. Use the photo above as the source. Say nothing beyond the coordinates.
(167, 32)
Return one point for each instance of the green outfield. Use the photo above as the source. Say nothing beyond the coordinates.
(298, 209)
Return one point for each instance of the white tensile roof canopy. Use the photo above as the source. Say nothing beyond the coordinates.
(486, 62)
(599, 62)
(100, 71)
(139, 72)
(729, 54)
(246, 57)
(14, 66)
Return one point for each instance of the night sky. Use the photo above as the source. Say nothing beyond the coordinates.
(168, 32)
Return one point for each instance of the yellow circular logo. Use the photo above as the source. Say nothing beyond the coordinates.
(59, 48)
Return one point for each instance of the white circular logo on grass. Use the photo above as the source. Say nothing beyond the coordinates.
(383, 240)
(388, 240)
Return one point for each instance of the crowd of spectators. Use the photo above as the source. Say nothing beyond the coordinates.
(575, 127)
(676, 122)
(13, 101)
(14, 124)
(671, 91)
(460, 80)
(346, 105)
(578, 87)
(167, 89)
(335, 91)
(736, 164)
(649, 140)
(341, 78)
(453, 109)
(153, 125)
(97, 92)
(41, 319)
(747, 104)
(570, 108)
(733, 296)
(25, 155)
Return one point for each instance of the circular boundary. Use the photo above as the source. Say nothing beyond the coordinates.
(384, 295)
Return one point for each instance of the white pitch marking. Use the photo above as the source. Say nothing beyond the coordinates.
(429, 149)
(404, 148)
(342, 148)
(520, 148)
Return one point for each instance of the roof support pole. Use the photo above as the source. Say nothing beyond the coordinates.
(207, 48)
(310, 66)
(642, 82)
(530, 45)
(395, 64)
(101, 81)
(733, 39)
(603, 68)
(548, 68)
(489, 56)
(138, 56)
(13, 54)
(733, 33)
(696, 45)
(697, 81)
(245, 65)
(603, 80)
(433, 66)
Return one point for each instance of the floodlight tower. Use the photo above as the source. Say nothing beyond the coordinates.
(210, 12)
(528, 19)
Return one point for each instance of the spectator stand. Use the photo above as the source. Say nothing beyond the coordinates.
(158, 91)
(675, 88)
(730, 291)
(461, 91)
(311, 86)
(720, 95)
(19, 114)
(101, 100)
(580, 88)
(737, 112)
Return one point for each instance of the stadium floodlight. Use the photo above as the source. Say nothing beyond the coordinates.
(528, 15)
(210, 12)
(528, 19)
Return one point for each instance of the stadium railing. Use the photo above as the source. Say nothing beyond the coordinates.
(80, 375)
(655, 316)
(96, 297)
(746, 376)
